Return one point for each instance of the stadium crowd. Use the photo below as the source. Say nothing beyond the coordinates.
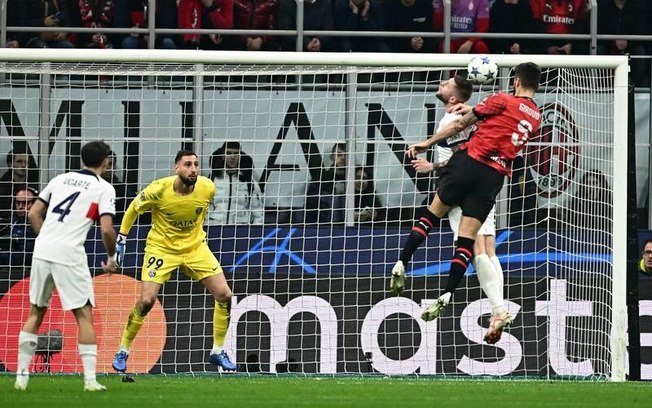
(626, 17)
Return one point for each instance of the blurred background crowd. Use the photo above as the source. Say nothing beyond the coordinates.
(335, 25)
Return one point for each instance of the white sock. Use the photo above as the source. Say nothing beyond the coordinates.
(88, 354)
(498, 268)
(491, 282)
(216, 349)
(26, 348)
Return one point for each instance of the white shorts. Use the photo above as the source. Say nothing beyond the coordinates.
(488, 228)
(73, 282)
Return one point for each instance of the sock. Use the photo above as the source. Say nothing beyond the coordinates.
(418, 234)
(88, 354)
(500, 276)
(221, 318)
(26, 348)
(491, 282)
(461, 259)
(134, 323)
(498, 268)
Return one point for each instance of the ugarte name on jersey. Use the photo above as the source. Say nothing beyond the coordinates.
(74, 182)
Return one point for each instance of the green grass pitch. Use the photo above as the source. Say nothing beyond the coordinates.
(50, 391)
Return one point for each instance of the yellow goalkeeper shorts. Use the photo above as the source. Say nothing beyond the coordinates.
(197, 265)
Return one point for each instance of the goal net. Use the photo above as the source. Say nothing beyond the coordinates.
(315, 198)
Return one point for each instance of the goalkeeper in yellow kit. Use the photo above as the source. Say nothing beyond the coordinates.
(176, 240)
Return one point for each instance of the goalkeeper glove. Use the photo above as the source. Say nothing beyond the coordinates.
(120, 243)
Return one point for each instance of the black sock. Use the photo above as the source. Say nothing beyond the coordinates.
(460, 262)
(418, 234)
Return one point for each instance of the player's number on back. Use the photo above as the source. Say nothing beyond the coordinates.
(520, 137)
(63, 208)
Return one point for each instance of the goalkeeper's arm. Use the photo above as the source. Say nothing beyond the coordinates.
(128, 219)
(127, 222)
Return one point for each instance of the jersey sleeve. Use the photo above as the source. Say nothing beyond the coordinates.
(147, 198)
(143, 203)
(46, 193)
(490, 106)
(211, 191)
(208, 186)
(446, 119)
(107, 201)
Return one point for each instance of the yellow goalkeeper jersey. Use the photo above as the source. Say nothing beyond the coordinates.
(177, 220)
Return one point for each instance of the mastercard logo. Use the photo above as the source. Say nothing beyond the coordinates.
(115, 296)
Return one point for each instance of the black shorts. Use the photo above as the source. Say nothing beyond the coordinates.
(470, 184)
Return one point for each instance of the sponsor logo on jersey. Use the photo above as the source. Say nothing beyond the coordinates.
(558, 20)
(199, 210)
(184, 224)
(552, 154)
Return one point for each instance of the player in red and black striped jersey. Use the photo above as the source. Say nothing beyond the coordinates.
(508, 121)
(474, 176)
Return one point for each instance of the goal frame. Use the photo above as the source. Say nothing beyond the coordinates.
(619, 64)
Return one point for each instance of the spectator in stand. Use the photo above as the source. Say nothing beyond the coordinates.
(253, 15)
(645, 265)
(512, 16)
(624, 17)
(206, 14)
(22, 170)
(367, 205)
(46, 13)
(123, 193)
(561, 17)
(133, 14)
(21, 237)
(410, 16)
(360, 15)
(467, 16)
(325, 197)
(93, 14)
(15, 13)
(238, 199)
(317, 15)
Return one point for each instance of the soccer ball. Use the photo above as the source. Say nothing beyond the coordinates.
(482, 69)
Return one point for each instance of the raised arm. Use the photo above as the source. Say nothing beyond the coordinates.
(449, 130)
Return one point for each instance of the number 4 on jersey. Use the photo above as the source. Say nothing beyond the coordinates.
(63, 208)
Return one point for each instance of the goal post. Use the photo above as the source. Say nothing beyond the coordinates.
(309, 267)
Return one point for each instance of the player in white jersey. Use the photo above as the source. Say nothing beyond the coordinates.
(485, 261)
(61, 217)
